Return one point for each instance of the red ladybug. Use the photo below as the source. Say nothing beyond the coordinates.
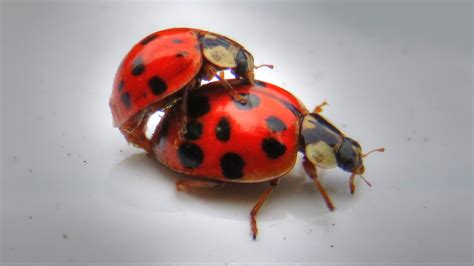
(229, 141)
(166, 62)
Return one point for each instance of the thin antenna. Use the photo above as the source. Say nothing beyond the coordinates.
(379, 150)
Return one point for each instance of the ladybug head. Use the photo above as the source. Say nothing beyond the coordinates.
(349, 156)
(325, 146)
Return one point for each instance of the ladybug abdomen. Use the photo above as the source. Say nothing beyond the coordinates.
(155, 68)
(225, 140)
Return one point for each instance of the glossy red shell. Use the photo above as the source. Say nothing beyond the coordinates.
(155, 68)
(258, 142)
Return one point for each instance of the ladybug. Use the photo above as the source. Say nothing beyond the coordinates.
(229, 141)
(165, 63)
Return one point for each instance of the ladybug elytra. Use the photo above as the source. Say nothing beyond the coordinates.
(166, 64)
(224, 140)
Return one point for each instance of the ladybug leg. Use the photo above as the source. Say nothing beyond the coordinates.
(258, 205)
(318, 109)
(311, 171)
(188, 185)
(222, 74)
(227, 86)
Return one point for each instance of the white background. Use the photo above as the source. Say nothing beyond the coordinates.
(396, 74)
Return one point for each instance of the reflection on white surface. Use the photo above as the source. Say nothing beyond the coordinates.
(397, 75)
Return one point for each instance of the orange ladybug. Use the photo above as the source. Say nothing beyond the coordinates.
(257, 141)
(165, 63)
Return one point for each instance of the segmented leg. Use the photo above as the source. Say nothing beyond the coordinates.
(311, 171)
(318, 109)
(263, 197)
(188, 185)
(237, 97)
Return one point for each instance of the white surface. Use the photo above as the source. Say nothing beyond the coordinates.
(397, 75)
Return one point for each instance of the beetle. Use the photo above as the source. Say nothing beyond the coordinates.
(164, 66)
(229, 141)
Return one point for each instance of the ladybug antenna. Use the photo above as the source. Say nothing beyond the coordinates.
(379, 150)
(263, 65)
(351, 181)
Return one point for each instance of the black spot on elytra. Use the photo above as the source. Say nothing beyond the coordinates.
(252, 102)
(182, 54)
(138, 67)
(198, 106)
(190, 155)
(149, 39)
(273, 148)
(177, 41)
(157, 85)
(126, 100)
(120, 85)
(275, 124)
(193, 130)
(232, 165)
(223, 129)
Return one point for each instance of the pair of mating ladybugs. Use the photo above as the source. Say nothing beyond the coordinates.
(237, 130)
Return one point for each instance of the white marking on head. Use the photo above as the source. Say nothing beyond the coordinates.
(321, 154)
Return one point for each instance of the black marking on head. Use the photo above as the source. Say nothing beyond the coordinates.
(273, 148)
(209, 42)
(260, 83)
(193, 130)
(177, 41)
(252, 101)
(138, 67)
(148, 39)
(320, 133)
(347, 157)
(275, 124)
(242, 64)
(198, 106)
(126, 100)
(324, 122)
(182, 54)
(232, 165)
(157, 85)
(223, 129)
(120, 85)
(190, 155)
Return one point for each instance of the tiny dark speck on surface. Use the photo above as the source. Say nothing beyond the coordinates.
(85, 161)
(332, 246)
(333, 224)
(65, 236)
(408, 139)
(30, 170)
(30, 217)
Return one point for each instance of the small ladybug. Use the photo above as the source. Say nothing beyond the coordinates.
(257, 141)
(167, 62)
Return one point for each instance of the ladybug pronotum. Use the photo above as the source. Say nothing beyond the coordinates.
(224, 140)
